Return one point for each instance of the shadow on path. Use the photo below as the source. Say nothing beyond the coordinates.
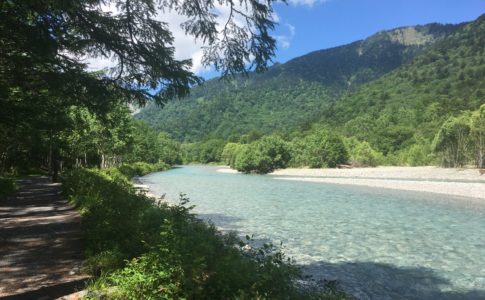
(40, 245)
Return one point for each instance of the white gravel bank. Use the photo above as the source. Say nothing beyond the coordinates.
(447, 181)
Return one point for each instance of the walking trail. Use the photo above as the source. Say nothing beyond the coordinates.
(40, 243)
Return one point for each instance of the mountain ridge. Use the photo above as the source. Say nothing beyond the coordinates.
(295, 93)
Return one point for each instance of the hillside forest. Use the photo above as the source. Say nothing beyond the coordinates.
(409, 96)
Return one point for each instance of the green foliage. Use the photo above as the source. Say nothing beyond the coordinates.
(452, 141)
(319, 149)
(477, 124)
(56, 113)
(150, 147)
(396, 101)
(208, 151)
(419, 154)
(262, 156)
(229, 153)
(362, 154)
(461, 139)
(409, 105)
(117, 222)
(170, 151)
(290, 95)
(246, 160)
(144, 251)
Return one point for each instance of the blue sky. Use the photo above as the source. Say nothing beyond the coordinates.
(308, 25)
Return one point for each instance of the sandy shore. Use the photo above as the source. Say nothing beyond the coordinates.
(421, 173)
(224, 169)
(454, 182)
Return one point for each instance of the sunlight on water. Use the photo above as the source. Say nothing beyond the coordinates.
(380, 244)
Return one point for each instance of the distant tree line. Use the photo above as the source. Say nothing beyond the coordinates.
(459, 142)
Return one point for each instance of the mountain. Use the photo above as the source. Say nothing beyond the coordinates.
(294, 94)
(405, 108)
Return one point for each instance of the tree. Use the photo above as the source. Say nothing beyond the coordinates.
(44, 41)
(169, 150)
(262, 156)
(229, 153)
(362, 153)
(452, 140)
(43, 72)
(323, 149)
(477, 126)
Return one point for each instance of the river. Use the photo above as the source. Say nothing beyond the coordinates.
(378, 243)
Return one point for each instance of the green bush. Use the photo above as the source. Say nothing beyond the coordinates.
(417, 155)
(229, 153)
(118, 223)
(208, 151)
(320, 149)
(164, 252)
(263, 156)
(362, 154)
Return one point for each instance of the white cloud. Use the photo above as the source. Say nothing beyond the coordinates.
(285, 40)
(309, 3)
(186, 46)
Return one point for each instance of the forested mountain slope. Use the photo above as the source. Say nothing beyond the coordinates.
(293, 94)
(406, 107)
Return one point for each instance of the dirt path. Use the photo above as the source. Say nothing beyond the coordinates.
(40, 246)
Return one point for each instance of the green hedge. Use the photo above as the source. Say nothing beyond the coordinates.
(143, 251)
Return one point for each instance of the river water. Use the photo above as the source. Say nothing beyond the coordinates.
(378, 244)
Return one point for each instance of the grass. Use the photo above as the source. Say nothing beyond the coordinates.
(137, 250)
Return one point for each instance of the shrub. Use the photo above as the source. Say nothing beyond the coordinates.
(229, 153)
(263, 156)
(417, 155)
(362, 154)
(321, 149)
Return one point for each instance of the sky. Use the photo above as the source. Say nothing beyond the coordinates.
(309, 25)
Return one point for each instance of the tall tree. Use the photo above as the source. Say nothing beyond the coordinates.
(44, 43)
(478, 135)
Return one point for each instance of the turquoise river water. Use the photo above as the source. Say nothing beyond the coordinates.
(378, 244)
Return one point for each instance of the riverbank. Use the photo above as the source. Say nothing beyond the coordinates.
(378, 244)
(169, 247)
(454, 182)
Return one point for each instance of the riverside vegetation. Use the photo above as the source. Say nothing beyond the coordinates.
(141, 250)
(59, 118)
